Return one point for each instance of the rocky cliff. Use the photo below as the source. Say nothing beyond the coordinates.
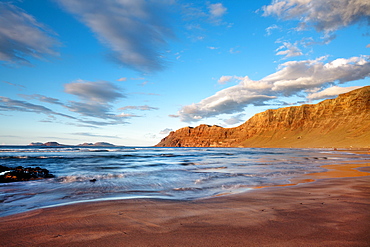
(343, 122)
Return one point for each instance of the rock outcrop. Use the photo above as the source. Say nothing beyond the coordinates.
(343, 122)
(20, 173)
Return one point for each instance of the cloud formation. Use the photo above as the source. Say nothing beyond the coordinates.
(99, 91)
(325, 16)
(224, 79)
(288, 50)
(42, 98)
(295, 76)
(135, 31)
(330, 92)
(22, 36)
(195, 11)
(140, 108)
(270, 28)
(95, 100)
(292, 78)
(229, 100)
(166, 131)
(235, 119)
(7, 104)
(19, 86)
(90, 109)
(216, 12)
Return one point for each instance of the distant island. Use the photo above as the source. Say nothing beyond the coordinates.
(343, 122)
(56, 144)
(96, 144)
(46, 144)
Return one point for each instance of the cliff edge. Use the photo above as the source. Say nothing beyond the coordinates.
(343, 122)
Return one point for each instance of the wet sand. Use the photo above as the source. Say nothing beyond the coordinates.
(334, 210)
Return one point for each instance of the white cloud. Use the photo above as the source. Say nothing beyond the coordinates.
(135, 31)
(91, 109)
(126, 115)
(270, 28)
(95, 101)
(22, 36)
(122, 79)
(216, 10)
(325, 16)
(330, 92)
(289, 50)
(324, 40)
(224, 79)
(234, 119)
(42, 98)
(229, 100)
(141, 108)
(7, 104)
(100, 91)
(195, 11)
(295, 76)
(165, 131)
(368, 46)
(292, 78)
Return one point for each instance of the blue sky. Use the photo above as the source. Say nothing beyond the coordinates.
(128, 72)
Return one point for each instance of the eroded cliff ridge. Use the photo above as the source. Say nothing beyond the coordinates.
(343, 122)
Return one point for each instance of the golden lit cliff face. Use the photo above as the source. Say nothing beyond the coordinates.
(341, 122)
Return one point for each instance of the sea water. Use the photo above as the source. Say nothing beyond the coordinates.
(108, 173)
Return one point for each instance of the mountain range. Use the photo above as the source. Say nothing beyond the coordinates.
(343, 122)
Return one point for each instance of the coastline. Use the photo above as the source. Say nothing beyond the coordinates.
(331, 211)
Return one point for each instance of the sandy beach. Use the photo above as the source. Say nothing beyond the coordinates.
(331, 211)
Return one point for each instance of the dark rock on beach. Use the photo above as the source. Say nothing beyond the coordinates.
(20, 173)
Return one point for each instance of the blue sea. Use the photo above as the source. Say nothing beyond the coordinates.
(148, 172)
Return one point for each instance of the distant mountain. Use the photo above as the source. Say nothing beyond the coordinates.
(97, 144)
(343, 122)
(46, 144)
(56, 144)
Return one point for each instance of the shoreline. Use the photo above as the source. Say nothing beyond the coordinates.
(331, 211)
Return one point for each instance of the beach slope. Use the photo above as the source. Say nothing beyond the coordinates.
(328, 212)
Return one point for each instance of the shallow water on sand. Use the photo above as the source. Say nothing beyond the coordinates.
(86, 174)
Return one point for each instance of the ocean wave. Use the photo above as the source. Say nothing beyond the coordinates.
(34, 157)
(63, 150)
(233, 186)
(89, 178)
(40, 150)
(79, 156)
(217, 176)
(187, 189)
(14, 157)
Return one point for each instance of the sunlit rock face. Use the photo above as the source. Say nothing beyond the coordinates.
(343, 122)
